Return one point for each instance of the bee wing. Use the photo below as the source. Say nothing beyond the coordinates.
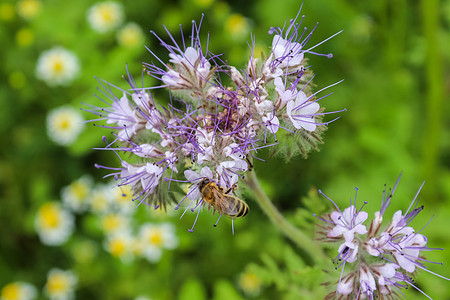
(230, 206)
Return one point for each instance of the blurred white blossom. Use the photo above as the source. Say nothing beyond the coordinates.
(105, 16)
(76, 196)
(60, 284)
(154, 238)
(64, 124)
(130, 35)
(53, 224)
(57, 66)
(18, 290)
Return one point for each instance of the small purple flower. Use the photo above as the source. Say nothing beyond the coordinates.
(348, 223)
(301, 112)
(190, 69)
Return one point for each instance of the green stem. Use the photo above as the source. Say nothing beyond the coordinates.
(434, 94)
(305, 243)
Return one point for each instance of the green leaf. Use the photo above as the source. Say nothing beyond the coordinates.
(192, 289)
(224, 290)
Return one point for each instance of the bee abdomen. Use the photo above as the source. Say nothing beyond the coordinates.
(242, 210)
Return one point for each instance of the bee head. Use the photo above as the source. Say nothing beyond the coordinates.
(203, 183)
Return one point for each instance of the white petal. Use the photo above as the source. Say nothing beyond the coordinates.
(307, 124)
(310, 108)
(336, 217)
(206, 172)
(361, 229)
(194, 193)
(349, 213)
(345, 287)
(337, 231)
(192, 176)
(388, 270)
(279, 85)
(405, 263)
(349, 235)
(191, 55)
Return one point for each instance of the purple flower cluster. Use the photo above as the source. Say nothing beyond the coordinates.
(382, 261)
(209, 129)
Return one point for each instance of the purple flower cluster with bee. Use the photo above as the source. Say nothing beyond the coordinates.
(218, 117)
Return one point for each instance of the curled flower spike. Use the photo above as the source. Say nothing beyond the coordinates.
(211, 130)
(382, 262)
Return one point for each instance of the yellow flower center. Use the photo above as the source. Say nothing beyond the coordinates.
(78, 189)
(129, 36)
(117, 247)
(155, 238)
(107, 14)
(11, 292)
(64, 124)
(111, 222)
(57, 284)
(58, 66)
(49, 216)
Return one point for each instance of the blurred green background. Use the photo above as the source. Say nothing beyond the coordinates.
(394, 59)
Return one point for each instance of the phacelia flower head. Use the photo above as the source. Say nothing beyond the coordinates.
(212, 127)
(380, 261)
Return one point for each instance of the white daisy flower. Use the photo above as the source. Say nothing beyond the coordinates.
(130, 35)
(18, 291)
(113, 223)
(64, 124)
(101, 197)
(153, 238)
(60, 284)
(53, 224)
(105, 16)
(76, 196)
(57, 66)
(120, 245)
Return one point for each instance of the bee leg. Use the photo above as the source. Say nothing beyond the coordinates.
(234, 187)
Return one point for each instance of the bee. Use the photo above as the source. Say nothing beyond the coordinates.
(221, 201)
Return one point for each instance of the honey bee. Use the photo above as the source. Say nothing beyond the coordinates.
(221, 201)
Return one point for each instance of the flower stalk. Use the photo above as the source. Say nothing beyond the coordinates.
(314, 253)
